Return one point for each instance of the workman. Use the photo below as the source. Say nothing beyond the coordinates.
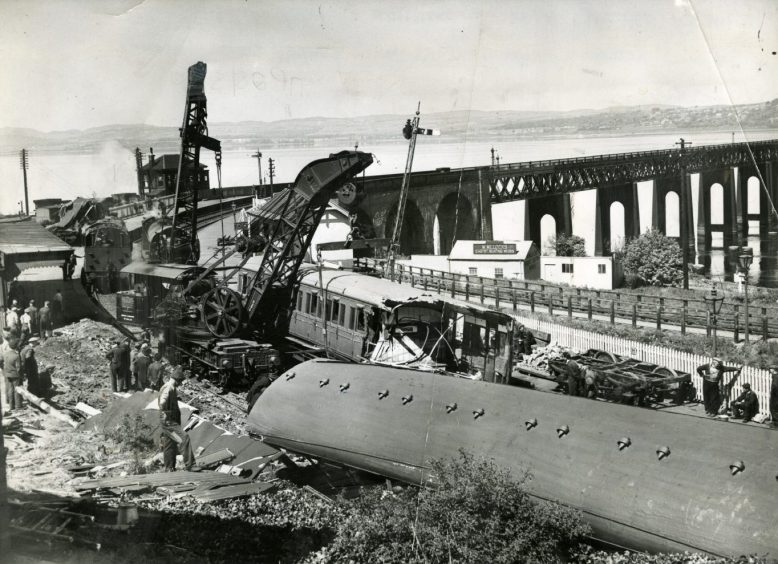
(30, 368)
(156, 372)
(170, 417)
(746, 405)
(134, 352)
(257, 389)
(712, 375)
(44, 320)
(226, 373)
(12, 370)
(25, 323)
(12, 318)
(115, 356)
(32, 311)
(574, 375)
(525, 341)
(141, 367)
(57, 311)
(124, 367)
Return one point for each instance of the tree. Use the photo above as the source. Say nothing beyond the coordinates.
(653, 259)
(477, 512)
(567, 245)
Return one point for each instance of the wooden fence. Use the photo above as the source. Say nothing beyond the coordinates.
(617, 306)
(583, 340)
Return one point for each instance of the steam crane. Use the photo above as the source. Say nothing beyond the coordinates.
(182, 245)
(281, 231)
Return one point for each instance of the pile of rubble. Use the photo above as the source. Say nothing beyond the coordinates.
(76, 361)
(540, 357)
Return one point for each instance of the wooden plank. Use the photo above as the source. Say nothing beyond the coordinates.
(45, 407)
(155, 480)
(231, 492)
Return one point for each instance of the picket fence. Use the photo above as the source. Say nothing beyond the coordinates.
(581, 340)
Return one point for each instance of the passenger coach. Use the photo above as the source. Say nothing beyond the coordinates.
(361, 318)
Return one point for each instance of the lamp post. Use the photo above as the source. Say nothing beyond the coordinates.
(714, 303)
(744, 260)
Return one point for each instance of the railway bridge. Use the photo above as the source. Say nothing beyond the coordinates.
(447, 204)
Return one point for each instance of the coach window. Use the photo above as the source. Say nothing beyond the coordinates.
(314, 310)
(299, 301)
(342, 315)
(360, 315)
(600, 269)
(567, 268)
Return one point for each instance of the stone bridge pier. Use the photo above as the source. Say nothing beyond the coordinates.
(627, 196)
(557, 206)
(442, 206)
(717, 193)
(667, 193)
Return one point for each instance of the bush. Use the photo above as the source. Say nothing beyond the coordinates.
(656, 260)
(134, 437)
(567, 245)
(477, 512)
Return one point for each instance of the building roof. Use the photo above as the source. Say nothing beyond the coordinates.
(491, 250)
(165, 162)
(385, 293)
(166, 271)
(26, 236)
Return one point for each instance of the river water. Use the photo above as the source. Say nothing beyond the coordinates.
(112, 170)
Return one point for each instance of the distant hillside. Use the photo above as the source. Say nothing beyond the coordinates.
(374, 129)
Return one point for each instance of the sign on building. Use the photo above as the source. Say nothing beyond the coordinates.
(494, 248)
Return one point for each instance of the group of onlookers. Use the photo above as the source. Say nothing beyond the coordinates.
(135, 367)
(23, 326)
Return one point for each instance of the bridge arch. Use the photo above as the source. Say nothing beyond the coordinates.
(535, 210)
(413, 238)
(618, 226)
(672, 226)
(754, 191)
(548, 230)
(453, 221)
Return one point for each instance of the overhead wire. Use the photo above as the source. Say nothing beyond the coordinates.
(725, 86)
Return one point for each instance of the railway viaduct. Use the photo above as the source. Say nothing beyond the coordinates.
(450, 204)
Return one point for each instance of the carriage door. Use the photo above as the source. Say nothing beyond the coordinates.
(490, 346)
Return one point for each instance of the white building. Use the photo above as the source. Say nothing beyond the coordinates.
(496, 259)
(603, 273)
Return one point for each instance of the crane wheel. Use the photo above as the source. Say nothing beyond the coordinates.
(222, 312)
(348, 194)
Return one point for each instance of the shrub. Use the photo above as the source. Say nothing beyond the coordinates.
(477, 512)
(656, 260)
(567, 245)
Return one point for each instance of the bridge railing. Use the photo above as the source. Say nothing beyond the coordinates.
(621, 157)
(614, 306)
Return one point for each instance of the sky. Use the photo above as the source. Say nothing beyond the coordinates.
(85, 63)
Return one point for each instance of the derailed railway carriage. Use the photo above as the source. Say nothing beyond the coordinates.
(361, 318)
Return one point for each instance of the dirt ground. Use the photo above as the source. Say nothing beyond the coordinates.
(44, 451)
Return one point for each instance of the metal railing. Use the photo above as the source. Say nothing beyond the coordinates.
(661, 312)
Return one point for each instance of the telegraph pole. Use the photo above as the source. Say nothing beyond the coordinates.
(684, 231)
(258, 156)
(272, 164)
(25, 164)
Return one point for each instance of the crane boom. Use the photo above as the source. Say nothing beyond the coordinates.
(183, 245)
(282, 231)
